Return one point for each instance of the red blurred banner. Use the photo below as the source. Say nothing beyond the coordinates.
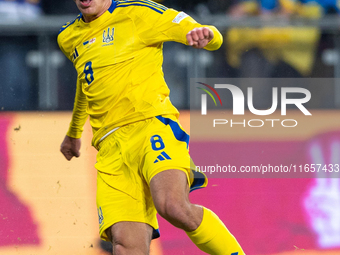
(270, 215)
(17, 224)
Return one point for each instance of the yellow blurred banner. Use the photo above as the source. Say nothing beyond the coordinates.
(60, 195)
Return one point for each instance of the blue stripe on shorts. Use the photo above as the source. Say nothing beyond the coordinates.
(176, 129)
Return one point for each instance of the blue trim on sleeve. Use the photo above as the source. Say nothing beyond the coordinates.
(70, 23)
(176, 129)
(199, 178)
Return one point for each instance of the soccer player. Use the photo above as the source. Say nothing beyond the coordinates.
(143, 163)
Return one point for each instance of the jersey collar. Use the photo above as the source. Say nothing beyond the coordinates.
(113, 6)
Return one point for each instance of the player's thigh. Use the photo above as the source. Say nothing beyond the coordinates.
(169, 188)
(170, 193)
(134, 237)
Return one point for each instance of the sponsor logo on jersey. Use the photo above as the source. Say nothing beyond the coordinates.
(108, 36)
(163, 156)
(180, 16)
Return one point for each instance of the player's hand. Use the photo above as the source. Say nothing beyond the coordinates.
(70, 147)
(200, 37)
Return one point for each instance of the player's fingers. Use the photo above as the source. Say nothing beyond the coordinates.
(67, 154)
(211, 34)
(189, 39)
(76, 153)
(194, 35)
(199, 37)
(196, 45)
(200, 34)
(206, 32)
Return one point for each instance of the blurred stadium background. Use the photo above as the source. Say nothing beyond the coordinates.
(47, 205)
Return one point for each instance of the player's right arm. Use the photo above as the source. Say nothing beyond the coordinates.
(70, 147)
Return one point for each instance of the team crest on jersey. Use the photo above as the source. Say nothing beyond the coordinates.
(108, 36)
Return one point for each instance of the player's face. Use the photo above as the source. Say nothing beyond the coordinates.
(92, 9)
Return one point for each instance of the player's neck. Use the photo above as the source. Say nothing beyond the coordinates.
(91, 17)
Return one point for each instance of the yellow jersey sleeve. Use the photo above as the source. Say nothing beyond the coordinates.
(171, 26)
(66, 38)
(79, 115)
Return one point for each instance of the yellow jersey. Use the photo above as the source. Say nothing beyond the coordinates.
(118, 58)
